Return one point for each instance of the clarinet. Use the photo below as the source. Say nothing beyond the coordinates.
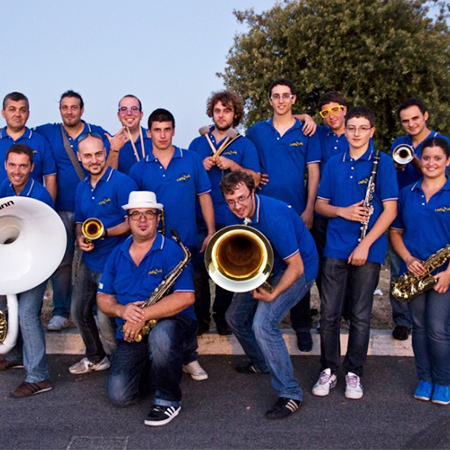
(369, 195)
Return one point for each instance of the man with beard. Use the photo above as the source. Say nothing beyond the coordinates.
(100, 195)
(63, 139)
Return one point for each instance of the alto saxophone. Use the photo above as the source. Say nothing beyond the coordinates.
(408, 286)
(164, 287)
(368, 199)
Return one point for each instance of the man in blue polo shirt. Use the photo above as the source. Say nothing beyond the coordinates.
(16, 112)
(63, 139)
(413, 116)
(226, 109)
(255, 316)
(351, 261)
(29, 351)
(179, 179)
(285, 154)
(131, 143)
(133, 271)
(100, 196)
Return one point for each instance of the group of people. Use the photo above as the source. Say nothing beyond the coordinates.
(309, 189)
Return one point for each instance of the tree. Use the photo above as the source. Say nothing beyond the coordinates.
(375, 52)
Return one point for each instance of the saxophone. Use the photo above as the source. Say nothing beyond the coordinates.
(369, 195)
(408, 286)
(164, 287)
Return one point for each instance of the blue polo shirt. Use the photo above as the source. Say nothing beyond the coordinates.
(426, 226)
(103, 202)
(127, 158)
(344, 183)
(32, 189)
(67, 177)
(176, 188)
(285, 231)
(410, 175)
(241, 151)
(331, 143)
(130, 283)
(284, 159)
(44, 164)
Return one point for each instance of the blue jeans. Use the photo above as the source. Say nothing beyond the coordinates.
(256, 326)
(154, 364)
(83, 303)
(357, 283)
(400, 310)
(430, 313)
(30, 347)
(62, 278)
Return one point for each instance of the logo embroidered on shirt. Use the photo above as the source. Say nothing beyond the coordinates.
(155, 272)
(105, 201)
(364, 181)
(442, 209)
(183, 178)
(296, 144)
(230, 152)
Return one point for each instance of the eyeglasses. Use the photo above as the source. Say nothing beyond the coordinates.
(352, 129)
(86, 135)
(278, 97)
(239, 200)
(147, 215)
(133, 109)
(334, 110)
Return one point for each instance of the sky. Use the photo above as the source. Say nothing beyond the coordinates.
(167, 53)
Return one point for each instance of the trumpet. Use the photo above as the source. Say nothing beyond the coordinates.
(93, 229)
(403, 154)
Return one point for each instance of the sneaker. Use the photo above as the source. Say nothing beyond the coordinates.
(160, 415)
(28, 389)
(284, 407)
(400, 333)
(86, 366)
(57, 323)
(441, 394)
(250, 368)
(423, 390)
(325, 383)
(194, 369)
(353, 387)
(304, 341)
(6, 365)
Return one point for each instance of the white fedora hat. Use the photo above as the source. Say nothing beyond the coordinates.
(142, 199)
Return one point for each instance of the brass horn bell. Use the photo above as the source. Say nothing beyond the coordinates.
(92, 229)
(403, 154)
(239, 259)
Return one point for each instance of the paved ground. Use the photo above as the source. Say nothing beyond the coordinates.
(226, 412)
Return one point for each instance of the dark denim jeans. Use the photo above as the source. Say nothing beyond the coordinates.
(62, 277)
(430, 314)
(83, 303)
(256, 326)
(154, 364)
(340, 279)
(400, 310)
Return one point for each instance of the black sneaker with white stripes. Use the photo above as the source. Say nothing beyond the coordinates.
(284, 407)
(160, 415)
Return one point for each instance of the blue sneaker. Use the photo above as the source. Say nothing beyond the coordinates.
(423, 390)
(441, 394)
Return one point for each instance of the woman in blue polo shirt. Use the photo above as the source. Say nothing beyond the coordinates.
(421, 229)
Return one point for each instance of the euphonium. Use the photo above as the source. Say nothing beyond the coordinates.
(408, 286)
(239, 258)
(92, 229)
(26, 258)
(403, 154)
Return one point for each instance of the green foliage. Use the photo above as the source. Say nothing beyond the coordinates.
(375, 52)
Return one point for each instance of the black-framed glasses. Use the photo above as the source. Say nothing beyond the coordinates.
(240, 200)
(90, 133)
(147, 215)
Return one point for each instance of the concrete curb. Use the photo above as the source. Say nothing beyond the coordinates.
(381, 344)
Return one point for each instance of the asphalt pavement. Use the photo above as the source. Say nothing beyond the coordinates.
(226, 412)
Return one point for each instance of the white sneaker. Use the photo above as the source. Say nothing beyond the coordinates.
(57, 323)
(353, 387)
(325, 383)
(86, 366)
(194, 369)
